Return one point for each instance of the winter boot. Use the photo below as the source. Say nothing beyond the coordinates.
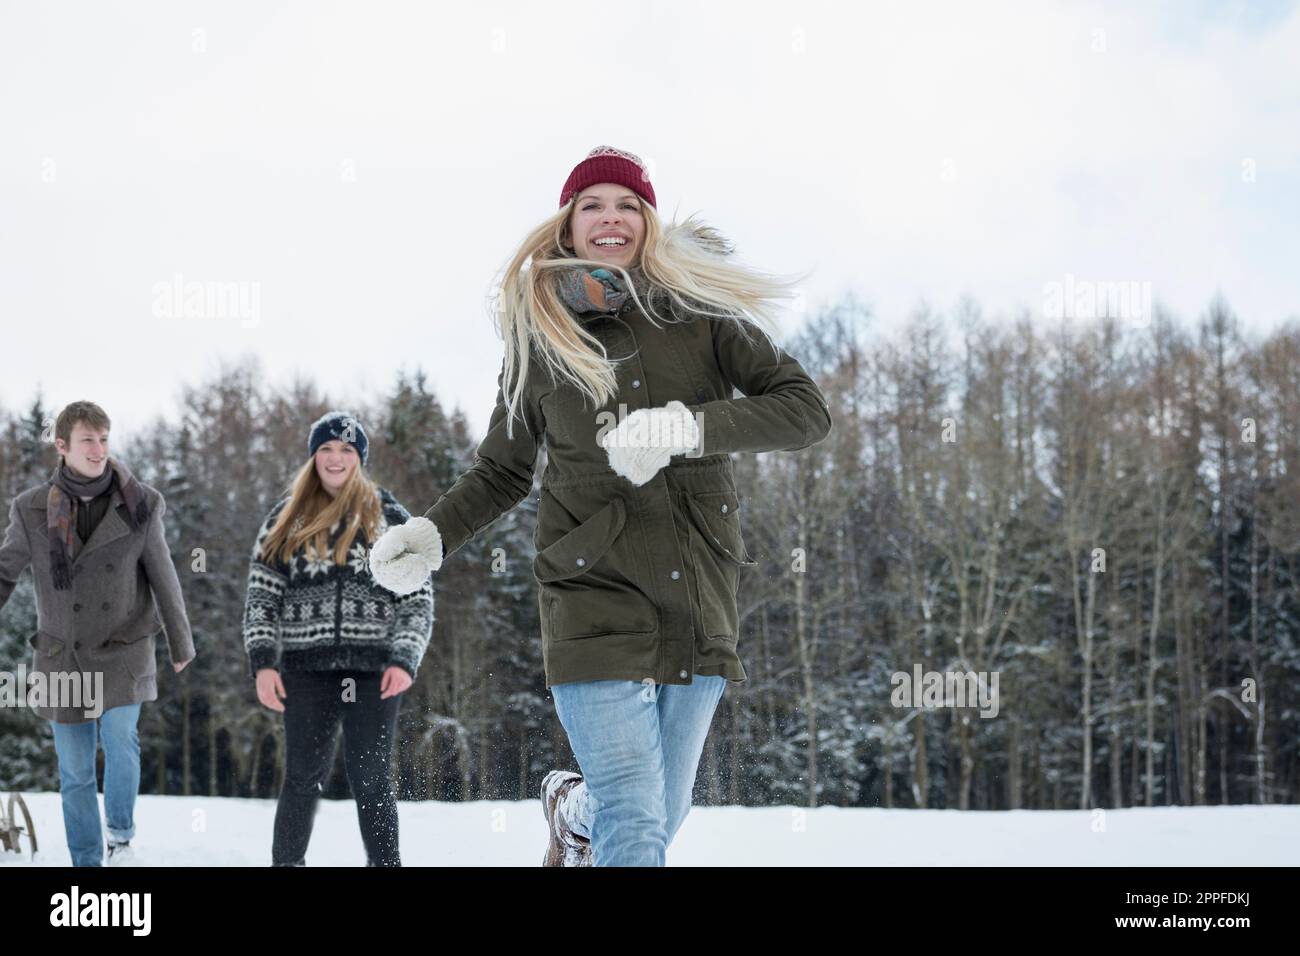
(565, 847)
(120, 853)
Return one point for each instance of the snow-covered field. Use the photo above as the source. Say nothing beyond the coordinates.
(203, 831)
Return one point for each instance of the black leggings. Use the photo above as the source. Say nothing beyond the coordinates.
(314, 702)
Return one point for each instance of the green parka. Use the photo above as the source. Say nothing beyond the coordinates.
(639, 582)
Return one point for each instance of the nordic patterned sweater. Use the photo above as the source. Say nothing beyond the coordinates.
(320, 616)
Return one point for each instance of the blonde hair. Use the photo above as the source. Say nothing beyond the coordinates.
(310, 515)
(684, 266)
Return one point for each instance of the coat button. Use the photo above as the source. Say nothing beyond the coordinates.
(581, 562)
(699, 393)
(76, 644)
(105, 606)
(76, 607)
(682, 674)
(636, 383)
(108, 567)
(676, 575)
(724, 509)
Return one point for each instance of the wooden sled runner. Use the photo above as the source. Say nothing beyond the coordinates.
(10, 832)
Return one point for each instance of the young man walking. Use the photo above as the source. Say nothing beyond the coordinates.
(93, 536)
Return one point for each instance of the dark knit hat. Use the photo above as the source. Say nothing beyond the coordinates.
(340, 425)
(605, 164)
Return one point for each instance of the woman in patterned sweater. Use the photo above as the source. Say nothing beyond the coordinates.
(346, 647)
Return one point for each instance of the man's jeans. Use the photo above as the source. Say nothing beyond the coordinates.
(638, 746)
(75, 746)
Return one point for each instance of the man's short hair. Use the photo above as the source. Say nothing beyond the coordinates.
(87, 413)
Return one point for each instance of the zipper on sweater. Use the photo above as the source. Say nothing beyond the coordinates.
(338, 596)
(338, 605)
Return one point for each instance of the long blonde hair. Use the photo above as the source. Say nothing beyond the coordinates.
(684, 265)
(310, 514)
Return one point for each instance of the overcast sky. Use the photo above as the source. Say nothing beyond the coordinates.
(363, 169)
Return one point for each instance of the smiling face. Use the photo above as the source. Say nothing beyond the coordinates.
(86, 450)
(607, 224)
(335, 462)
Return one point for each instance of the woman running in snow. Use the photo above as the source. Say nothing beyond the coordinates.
(624, 340)
(346, 648)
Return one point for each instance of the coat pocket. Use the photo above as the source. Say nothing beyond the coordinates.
(718, 548)
(586, 580)
(717, 517)
(135, 652)
(47, 647)
(47, 643)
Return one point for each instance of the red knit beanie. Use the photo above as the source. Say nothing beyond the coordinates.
(605, 164)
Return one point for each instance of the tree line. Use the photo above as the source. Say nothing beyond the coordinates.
(1105, 516)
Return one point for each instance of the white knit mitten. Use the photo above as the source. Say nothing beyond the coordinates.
(643, 442)
(405, 555)
(422, 536)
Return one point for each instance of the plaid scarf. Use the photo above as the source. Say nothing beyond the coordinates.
(61, 512)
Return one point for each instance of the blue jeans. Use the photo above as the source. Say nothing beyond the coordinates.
(638, 746)
(75, 746)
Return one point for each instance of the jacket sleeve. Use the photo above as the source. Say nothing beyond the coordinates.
(15, 553)
(267, 582)
(413, 620)
(783, 410)
(166, 587)
(500, 478)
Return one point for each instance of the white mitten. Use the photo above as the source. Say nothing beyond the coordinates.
(422, 537)
(405, 554)
(643, 442)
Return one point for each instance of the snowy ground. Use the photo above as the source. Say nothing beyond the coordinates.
(202, 831)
